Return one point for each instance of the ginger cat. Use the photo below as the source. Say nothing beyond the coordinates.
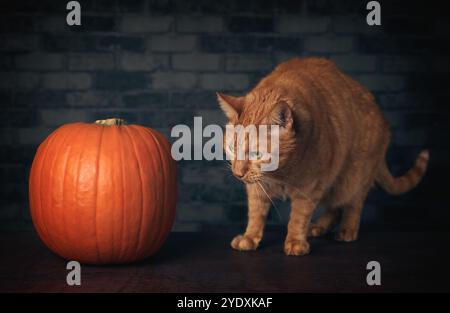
(332, 146)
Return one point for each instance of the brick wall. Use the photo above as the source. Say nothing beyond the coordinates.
(158, 63)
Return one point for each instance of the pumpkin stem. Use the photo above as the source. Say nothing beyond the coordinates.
(110, 122)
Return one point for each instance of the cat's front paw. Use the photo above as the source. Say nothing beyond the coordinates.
(316, 230)
(296, 247)
(346, 235)
(243, 243)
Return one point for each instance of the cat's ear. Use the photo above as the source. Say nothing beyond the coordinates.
(282, 116)
(231, 106)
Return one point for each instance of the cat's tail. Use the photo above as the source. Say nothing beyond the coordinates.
(402, 184)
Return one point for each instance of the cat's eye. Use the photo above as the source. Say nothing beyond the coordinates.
(255, 155)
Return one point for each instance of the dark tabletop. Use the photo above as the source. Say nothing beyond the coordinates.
(204, 262)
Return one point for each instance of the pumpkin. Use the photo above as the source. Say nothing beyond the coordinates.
(103, 193)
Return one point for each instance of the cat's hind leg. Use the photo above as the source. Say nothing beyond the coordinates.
(351, 218)
(349, 228)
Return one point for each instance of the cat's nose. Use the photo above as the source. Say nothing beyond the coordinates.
(240, 169)
(239, 174)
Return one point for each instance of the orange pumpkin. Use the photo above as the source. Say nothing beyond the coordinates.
(103, 193)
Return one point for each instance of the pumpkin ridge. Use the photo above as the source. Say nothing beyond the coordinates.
(119, 136)
(137, 248)
(51, 212)
(155, 210)
(96, 192)
(127, 195)
(163, 213)
(39, 175)
(155, 139)
(77, 215)
(108, 146)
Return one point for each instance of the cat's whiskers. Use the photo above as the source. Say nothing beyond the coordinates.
(270, 199)
(228, 164)
(229, 171)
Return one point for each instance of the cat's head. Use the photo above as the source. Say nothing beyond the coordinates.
(271, 120)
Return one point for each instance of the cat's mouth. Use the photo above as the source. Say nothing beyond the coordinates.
(252, 179)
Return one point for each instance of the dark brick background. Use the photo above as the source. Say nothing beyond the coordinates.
(159, 63)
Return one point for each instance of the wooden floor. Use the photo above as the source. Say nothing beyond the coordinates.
(204, 262)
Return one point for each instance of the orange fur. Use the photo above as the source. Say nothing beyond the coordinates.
(332, 151)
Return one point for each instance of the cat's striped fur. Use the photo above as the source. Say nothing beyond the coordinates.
(333, 144)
